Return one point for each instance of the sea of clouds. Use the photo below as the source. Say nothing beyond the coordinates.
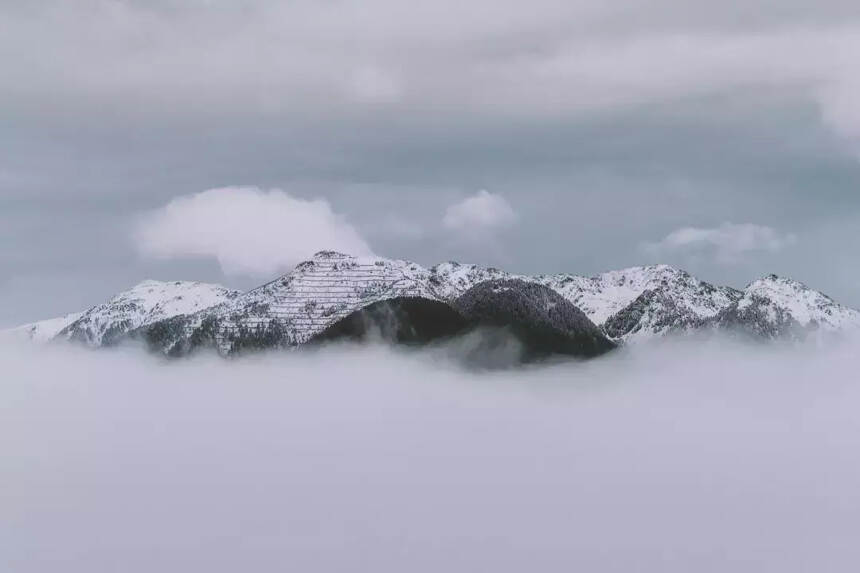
(675, 458)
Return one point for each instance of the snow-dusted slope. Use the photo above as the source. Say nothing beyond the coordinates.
(44, 330)
(299, 305)
(146, 303)
(649, 301)
(330, 286)
(777, 307)
(450, 280)
(630, 305)
(603, 295)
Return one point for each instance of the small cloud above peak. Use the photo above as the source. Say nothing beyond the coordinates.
(728, 243)
(481, 212)
(248, 230)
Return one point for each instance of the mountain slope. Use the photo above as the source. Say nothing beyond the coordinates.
(43, 330)
(603, 295)
(450, 280)
(628, 305)
(298, 306)
(143, 304)
(543, 321)
(777, 307)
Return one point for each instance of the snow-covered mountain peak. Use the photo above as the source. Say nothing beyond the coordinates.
(777, 296)
(628, 304)
(143, 304)
(451, 279)
(319, 292)
(602, 296)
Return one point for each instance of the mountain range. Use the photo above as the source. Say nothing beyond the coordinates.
(334, 295)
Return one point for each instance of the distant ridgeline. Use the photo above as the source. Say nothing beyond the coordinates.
(334, 297)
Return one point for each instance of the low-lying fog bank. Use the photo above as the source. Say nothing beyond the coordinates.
(679, 457)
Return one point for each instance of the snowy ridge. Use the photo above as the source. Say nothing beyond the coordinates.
(318, 293)
(684, 299)
(778, 307)
(805, 305)
(450, 280)
(141, 305)
(43, 330)
(629, 305)
(603, 295)
(330, 286)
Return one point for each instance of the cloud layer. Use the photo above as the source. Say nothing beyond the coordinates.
(480, 213)
(248, 230)
(672, 459)
(548, 59)
(728, 243)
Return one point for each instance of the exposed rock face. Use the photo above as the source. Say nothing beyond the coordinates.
(542, 319)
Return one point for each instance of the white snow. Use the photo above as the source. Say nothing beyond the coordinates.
(603, 295)
(321, 291)
(328, 287)
(143, 304)
(43, 330)
(805, 305)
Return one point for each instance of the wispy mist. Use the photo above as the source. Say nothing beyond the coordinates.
(682, 457)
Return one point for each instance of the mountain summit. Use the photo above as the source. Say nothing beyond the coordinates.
(334, 294)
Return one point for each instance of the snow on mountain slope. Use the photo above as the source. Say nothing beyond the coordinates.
(450, 280)
(331, 285)
(299, 305)
(777, 307)
(683, 299)
(319, 292)
(43, 330)
(146, 303)
(630, 305)
(603, 295)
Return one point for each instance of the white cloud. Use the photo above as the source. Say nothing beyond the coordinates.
(249, 230)
(728, 243)
(482, 212)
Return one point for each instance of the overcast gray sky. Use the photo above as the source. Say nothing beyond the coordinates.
(720, 138)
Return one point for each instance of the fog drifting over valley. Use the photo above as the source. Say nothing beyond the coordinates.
(686, 456)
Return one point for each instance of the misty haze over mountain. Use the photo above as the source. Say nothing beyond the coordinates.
(685, 458)
(449, 286)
